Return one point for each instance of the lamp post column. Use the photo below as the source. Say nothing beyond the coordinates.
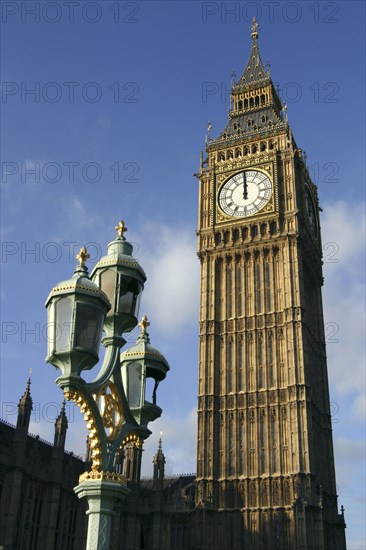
(101, 495)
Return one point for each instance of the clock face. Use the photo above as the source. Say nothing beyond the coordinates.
(245, 194)
(310, 212)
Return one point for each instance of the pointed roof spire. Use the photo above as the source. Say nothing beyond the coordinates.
(61, 420)
(61, 426)
(159, 456)
(254, 70)
(26, 398)
(25, 406)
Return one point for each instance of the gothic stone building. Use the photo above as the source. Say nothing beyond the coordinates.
(265, 468)
(40, 511)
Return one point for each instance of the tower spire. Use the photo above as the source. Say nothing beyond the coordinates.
(159, 464)
(254, 70)
(61, 426)
(25, 406)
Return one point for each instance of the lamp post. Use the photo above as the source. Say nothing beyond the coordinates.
(79, 310)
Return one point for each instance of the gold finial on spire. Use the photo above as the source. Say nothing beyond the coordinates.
(144, 324)
(121, 228)
(254, 28)
(30, 372)
(83, 256)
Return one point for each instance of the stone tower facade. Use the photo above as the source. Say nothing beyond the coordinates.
(264, 451)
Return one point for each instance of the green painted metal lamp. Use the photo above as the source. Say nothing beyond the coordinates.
(79, 310)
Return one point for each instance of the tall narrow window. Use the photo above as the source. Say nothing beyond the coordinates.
(239, 290)
(230, 446)
(258, 287)
(229, 283)
(239, 351)
(274, 443)
(230, 368)
(270, 361)
(241, 439)
(263, 444)
(268, 287)
(260, 362)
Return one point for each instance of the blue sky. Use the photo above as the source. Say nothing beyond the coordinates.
(122, 95)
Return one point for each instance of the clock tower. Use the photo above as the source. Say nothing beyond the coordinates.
(265, 466)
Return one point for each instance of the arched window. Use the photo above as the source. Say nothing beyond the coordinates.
(257, 99)
(263, 146)
(245, 104)
(254, 231)
(263, 99)
(240, 105)
(254, 148)
(251, 102)
(237, 153)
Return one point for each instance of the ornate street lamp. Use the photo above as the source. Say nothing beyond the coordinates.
(79, 310)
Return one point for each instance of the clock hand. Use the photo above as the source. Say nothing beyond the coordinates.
(245, 190)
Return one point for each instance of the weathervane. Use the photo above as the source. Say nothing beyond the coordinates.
(254, 28)
(209, 128)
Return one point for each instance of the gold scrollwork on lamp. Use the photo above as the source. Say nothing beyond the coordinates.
(110, 409)
(95, 445)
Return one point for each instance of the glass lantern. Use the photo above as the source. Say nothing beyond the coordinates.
(76, 313)
(122, 279)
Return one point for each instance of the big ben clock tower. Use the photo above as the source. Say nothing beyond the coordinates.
(265, 466)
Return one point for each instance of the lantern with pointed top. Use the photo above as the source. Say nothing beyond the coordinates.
(76, 310)
(122, 279)
(140, 362)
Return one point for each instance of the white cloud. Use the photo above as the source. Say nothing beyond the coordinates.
(179, 444)
(344, 299)
(171, 295)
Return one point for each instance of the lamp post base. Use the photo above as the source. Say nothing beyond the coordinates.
(101, 494)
